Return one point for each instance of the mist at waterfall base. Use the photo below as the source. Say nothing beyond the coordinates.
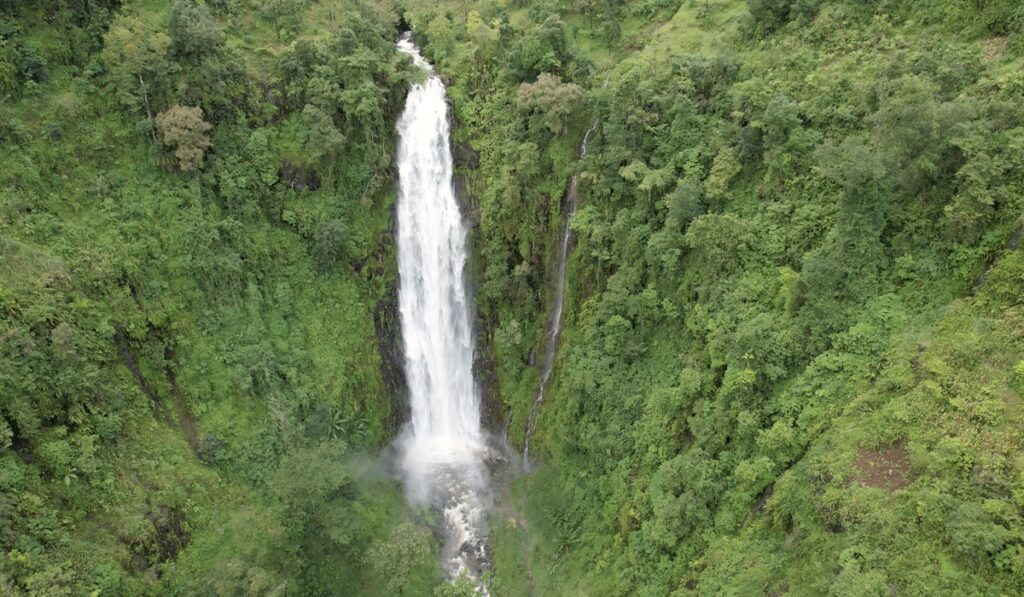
(442, 451)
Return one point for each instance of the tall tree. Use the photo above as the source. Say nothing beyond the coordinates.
(183, 128)
(550, 98)
(136, 59)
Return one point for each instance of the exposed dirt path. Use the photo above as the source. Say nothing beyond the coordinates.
(185, 418)
(132, 363)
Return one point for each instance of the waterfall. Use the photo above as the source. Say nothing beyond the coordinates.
(442, 449)
(555, 326)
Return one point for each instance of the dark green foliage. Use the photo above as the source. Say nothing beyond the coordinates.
(769, 15)
(194, 33)
(687, 202)
(285, 15)
(973, 530)
(544, 49)
(19, 61)
(329, 245)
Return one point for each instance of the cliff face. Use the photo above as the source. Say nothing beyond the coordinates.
(466, 180)
(389, 346)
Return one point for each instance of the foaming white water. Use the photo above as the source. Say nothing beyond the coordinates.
(442, 450)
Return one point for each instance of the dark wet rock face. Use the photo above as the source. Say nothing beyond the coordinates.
(389, 344)
(298, 178)
(468, 202)
(486, 373)
(464, 156)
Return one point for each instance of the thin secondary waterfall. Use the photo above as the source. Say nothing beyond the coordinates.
(555, 326)
(443, 448)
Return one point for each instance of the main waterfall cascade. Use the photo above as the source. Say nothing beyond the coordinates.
(443, 448)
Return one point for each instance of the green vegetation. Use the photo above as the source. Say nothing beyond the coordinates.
(194, 240)
(793, 353)
(792, 347)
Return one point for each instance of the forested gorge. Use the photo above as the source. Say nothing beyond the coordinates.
(793, 347)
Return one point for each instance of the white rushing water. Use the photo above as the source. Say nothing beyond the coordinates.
(442, 450)
(555, 325)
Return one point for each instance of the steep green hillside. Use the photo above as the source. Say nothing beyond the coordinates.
(792, 360)
(793, 353)
(194, 241)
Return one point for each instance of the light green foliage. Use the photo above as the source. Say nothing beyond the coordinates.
(394, 558)
(723, 170)
(463, 586)
(852, 164)
(553, 100)
(484, 38)
(442, 40)
(136, 58)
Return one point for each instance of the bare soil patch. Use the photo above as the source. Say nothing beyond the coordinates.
(995, 47)
(887, 469)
